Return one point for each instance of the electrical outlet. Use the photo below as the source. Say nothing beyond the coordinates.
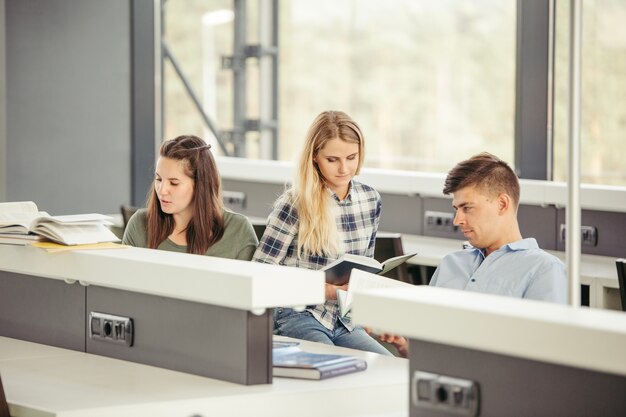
(110, 328)
(453, 396)
(589, 235)
(235, 200)
(439, 221)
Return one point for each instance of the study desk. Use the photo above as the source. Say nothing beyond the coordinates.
(528, 358)
(598, 272)
(44, 381)
(190, 313)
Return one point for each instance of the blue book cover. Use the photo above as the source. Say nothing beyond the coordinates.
(290, 361)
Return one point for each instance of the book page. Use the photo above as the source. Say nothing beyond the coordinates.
(18, 207)
(76, 234)
(19, 222)
(361, 280)
(391, 263)
(91, 218)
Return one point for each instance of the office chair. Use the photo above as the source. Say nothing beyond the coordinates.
(127, 213)
(4, 406)
(389, 245)
(259, 229)
(621, 279)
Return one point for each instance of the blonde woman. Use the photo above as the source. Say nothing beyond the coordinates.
(324, 214)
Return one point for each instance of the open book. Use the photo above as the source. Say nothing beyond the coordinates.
(338, 272)
(361, 280)
(24, 219)
(292, 362)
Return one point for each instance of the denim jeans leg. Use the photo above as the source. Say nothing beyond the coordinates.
(300, 325)
(357, 339)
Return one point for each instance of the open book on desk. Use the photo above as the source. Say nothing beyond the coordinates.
(291, 362)
(24, 219)
(338, 272)
(361, 280)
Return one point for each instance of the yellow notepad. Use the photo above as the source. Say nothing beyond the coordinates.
(57, 247)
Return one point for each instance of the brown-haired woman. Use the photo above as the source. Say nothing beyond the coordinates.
(185, 211)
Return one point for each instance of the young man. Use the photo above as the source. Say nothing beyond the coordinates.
(486, 197)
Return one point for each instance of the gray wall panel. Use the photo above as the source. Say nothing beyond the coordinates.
(68, 104)
(42, 310)
(402, 213)
(611, 232)
(405, 214)
(512, 386)
(540, 223)
(259, 197)
(442, 205)
(190, 337)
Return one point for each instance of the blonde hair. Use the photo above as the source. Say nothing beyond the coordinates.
(317, 229)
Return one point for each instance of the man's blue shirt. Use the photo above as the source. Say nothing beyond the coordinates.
(519, 269)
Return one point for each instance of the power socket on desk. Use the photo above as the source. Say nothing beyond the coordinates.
(111, 328)
(588, 235)
(439, 221)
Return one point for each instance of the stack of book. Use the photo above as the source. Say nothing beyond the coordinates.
(292, 362)
(22, 223)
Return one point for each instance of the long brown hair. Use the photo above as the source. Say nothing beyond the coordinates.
(206, 226)
(317, 233)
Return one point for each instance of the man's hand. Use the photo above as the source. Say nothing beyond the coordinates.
(399, 342)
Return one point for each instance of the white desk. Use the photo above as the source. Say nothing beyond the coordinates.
(581, 337)
(598, 272)
(177, 303)
(43, 381)
(527, 357)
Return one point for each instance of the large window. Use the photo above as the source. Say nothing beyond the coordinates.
(603, 107)
(429, 82)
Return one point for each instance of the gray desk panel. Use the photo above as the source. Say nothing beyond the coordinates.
(512, 386)
(201, 339)
(42, 310)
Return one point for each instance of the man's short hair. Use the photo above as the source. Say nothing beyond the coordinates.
(484, 171)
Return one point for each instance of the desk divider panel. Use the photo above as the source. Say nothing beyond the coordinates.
(511, 386)
(42, 310)
(202, 339)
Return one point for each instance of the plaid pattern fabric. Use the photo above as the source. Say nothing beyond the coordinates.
(357, 218)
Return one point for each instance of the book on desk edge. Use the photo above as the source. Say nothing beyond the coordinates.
(23, 219)
(292, 362)
(338, 271)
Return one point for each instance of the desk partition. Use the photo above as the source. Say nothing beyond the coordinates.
(195, 314)
(475, 354)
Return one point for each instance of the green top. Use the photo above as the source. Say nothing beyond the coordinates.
(238, 242)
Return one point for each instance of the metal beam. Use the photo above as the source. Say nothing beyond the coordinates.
(146, 78)
(533, 90)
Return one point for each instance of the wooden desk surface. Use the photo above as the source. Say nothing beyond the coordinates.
(41, 381)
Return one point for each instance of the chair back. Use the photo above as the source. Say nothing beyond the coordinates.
(389, 245)
(127, 213)
(621, 279)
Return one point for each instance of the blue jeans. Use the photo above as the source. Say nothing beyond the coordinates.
(302, 325)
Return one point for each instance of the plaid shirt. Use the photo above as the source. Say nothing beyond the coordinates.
(357, 218)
